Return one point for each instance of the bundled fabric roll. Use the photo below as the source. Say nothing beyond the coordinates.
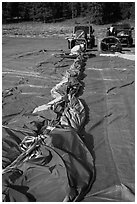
(44, 159)
(74, 114)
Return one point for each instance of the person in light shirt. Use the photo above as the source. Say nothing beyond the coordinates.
(77, 49)
(112, 31)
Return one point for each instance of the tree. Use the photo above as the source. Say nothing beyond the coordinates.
(95, 12)
(24, 9)
(83, 8)
(66, 10)
(6, 11)
(9, 10)
(111, 12)
(127, 9)
(132, 11)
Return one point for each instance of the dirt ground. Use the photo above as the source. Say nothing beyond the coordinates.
(32, 66)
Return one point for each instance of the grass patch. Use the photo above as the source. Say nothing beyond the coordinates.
(34, 29)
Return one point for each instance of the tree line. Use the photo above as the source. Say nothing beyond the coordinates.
(96, 12)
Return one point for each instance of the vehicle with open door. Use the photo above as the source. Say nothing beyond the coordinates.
(82, 34)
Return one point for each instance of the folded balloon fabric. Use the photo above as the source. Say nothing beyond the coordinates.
(44, 158)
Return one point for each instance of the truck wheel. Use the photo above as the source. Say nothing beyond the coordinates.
(69, 44)
(91, 44)
(130, 42)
